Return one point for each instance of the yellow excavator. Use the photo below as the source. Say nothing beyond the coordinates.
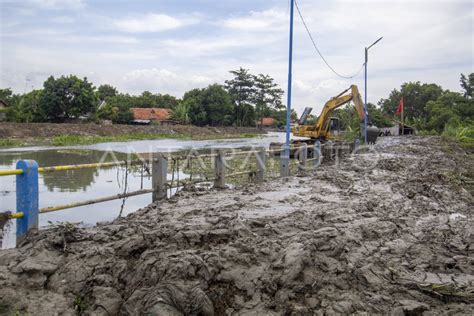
(326, 127)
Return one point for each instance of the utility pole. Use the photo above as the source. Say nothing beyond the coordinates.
(285, 158)
(366, 110)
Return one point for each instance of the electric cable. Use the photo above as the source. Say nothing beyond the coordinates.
(319, 52)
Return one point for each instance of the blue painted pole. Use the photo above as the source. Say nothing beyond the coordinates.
(366, 116)
(27, 197)
(285, 159)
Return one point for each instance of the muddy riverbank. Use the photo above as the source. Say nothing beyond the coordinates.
(21, 134)
(381, 233)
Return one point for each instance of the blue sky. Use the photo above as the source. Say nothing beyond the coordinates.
(174, 46)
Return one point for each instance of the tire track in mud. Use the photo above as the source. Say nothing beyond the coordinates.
(395, 238)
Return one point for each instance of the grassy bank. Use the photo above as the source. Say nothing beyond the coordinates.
(10, 143)
(462, 134)
(72, 140)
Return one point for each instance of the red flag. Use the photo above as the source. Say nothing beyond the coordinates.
(400, 107)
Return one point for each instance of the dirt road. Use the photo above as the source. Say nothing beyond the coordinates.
(385, 233)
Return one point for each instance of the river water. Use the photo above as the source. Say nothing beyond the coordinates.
(58, 188)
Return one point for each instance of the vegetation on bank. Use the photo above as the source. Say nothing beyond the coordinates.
(10, 143)
(73, 140)
(462, 134)
(240, 101)
(429, 108)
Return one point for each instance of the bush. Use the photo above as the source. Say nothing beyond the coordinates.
(463, 134)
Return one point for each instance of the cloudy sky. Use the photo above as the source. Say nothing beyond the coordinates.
(173, 46)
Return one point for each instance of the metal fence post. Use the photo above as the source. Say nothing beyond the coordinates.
(159, 171)
(27, 198)
(219, 169)
(261, 155)
(303, 156)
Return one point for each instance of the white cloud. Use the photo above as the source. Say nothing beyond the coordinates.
(152, 22)
(163, 81)
(57, 4)
(63, 19)
(426, 41)
(152, 74)
(268, 20)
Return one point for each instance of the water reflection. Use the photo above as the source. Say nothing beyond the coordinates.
(64, 181)
(64, 187)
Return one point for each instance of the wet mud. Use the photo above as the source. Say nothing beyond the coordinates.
(388, 231)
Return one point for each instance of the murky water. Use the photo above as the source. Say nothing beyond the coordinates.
(58, 188)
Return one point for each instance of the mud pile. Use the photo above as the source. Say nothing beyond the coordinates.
(384, 232)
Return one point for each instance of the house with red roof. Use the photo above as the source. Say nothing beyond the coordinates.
(266, 122)
(148, 115)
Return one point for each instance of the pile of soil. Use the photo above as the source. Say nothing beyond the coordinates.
(382, 233)
(44, 130)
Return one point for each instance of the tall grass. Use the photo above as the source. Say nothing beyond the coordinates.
(463, 134)
(9, 143)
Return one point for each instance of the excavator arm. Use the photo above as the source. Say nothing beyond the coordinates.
(320, 128)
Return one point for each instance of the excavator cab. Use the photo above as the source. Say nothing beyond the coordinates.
(334, 126)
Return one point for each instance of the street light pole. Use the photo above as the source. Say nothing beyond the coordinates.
(366, 109)
(285, 158)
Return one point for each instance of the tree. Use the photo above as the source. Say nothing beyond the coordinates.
(280, 116)
(452, 108)
(105, 91)
(67, 97)
(150, 100)
(440, 115)
(468, 85)
(193, 100)
(209, 106)
(415, 95)
(377, 117)
(6, 95)
(429, 107)
(11, 99)
(218, 105)
(117, 114)
(27, 109)
(267, 96)
(242, 91)
(181, 113)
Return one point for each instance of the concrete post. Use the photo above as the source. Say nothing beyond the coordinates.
(303, 156)
(329, 149)
(261, 155)
(285, 162)
(356, 145)
(219, 169)
(27, 198)
(337, 153)
(317, 154)
(159, 172)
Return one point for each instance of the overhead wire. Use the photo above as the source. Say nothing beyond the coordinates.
(319, 52)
